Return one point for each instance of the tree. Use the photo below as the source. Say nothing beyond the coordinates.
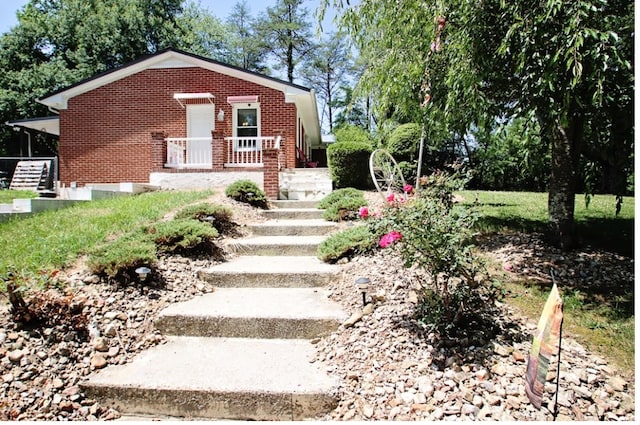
(286, 34)
(203, 33)
(246, 49)
(569, 63)
(57, 43)
(326, 69)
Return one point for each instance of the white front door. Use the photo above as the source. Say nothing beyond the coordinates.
(200, 123)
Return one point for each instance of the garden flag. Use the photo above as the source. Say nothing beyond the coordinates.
(542, 348)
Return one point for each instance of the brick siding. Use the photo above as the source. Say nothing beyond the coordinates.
(112, 134)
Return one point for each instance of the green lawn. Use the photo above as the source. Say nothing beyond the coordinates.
(7, 196)
(596, 225)
(599, 314)
(54, 239)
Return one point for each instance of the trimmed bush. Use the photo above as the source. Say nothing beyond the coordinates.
(127, 253)
(348, 243)
(352, 134)
(219, 216)
(182, 236)
(404, 142)
(342, 204)
(349, 164)
(248, 192)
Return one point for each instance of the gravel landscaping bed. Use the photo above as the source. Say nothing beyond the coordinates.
(388, 366)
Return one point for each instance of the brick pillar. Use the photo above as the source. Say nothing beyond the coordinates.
(158, 150)
(218, 150)
(271, 182)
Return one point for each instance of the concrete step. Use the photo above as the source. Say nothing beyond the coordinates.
(270, 272)
(219, 378)
(305, 184)
(293, 214)
(286, 313)
(310, 227)
(285, 203)
(276, 245)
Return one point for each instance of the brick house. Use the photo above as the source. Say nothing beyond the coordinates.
(178, 115)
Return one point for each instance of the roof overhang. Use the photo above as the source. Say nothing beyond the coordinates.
(307, 107)
(49, 125)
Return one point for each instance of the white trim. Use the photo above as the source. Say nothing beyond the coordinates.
(234, 122)
(168, 59)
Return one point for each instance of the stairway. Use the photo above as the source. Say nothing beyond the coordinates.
(244, 350)
(305, 184)
(31, 175)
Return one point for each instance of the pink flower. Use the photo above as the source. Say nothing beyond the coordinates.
(408, 189)
(390, 238)
(391, 197)
(363, 212)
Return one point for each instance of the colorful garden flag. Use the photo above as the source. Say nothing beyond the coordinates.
(543, 347)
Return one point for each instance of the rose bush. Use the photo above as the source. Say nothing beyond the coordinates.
(431, 231)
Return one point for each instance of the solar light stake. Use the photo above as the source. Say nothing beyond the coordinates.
(143, 272)
(362, 283)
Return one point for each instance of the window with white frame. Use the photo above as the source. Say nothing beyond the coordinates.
(246, 126)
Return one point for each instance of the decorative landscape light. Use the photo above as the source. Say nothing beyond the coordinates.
(362, 283)
(142, 273)
(221, 115)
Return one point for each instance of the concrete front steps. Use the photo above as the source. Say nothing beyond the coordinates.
(219, 378)
(243, 351)
(305, 184)
(288, 313)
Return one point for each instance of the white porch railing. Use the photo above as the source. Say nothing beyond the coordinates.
(247, 151)
(189, 152)
(196, 152)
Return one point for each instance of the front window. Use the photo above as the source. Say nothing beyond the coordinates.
(246, 126)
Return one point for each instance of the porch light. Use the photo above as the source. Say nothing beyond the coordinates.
(362, 283)
(142, 273)
(221, 115)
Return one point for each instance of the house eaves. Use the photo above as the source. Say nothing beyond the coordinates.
(303, 97)
(49, 125)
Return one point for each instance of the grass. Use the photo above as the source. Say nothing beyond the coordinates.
(600, 328)
(55, 239)
(601, 317)
(596, 225)
(7, 196)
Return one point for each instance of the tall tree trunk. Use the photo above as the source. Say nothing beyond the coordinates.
(566, 142)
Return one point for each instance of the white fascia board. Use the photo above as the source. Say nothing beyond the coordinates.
(59, 100)
(169, 59)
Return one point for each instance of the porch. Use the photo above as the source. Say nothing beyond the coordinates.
(213, 153)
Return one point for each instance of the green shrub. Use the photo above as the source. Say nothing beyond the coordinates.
(122, 256)
(342, 204)
(352, 134)
(429, 231)
(182, 236)
(219, 216)
(248, 192)
(336, 195)
(117, 260)
(404, 142)
(355, 240)
(349, 165)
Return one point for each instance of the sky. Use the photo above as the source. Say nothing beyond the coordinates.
(219, 8)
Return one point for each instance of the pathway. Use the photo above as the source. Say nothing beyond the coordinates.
(243, 351)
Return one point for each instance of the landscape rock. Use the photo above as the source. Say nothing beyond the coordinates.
(388, 366)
